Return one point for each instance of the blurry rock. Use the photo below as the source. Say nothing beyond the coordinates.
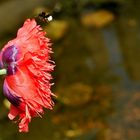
(76, 94)
(101, 14)
(57, 29)
(6, 103)
(98, 19)
(103, 96)
(103, 91)
(132, 22)
(73, 133)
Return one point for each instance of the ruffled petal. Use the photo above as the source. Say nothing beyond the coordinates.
(13, 112)
(25, 119)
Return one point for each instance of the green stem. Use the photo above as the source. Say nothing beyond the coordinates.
(3, 71)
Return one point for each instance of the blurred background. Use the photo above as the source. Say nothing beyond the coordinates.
(96, 46)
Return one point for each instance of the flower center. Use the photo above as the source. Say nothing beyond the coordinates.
(9, 59)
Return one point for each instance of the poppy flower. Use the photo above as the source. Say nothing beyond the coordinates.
(27, 86)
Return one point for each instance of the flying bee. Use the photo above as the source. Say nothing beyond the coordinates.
(45, 17)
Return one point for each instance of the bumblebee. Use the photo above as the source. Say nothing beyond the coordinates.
(45, 17)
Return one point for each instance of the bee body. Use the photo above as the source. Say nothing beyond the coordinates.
(45, 17)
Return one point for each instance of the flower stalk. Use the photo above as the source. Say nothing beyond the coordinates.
(3, 71)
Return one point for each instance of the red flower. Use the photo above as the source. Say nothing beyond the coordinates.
(27, 83)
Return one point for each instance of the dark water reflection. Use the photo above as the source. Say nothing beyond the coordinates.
(97, 75)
